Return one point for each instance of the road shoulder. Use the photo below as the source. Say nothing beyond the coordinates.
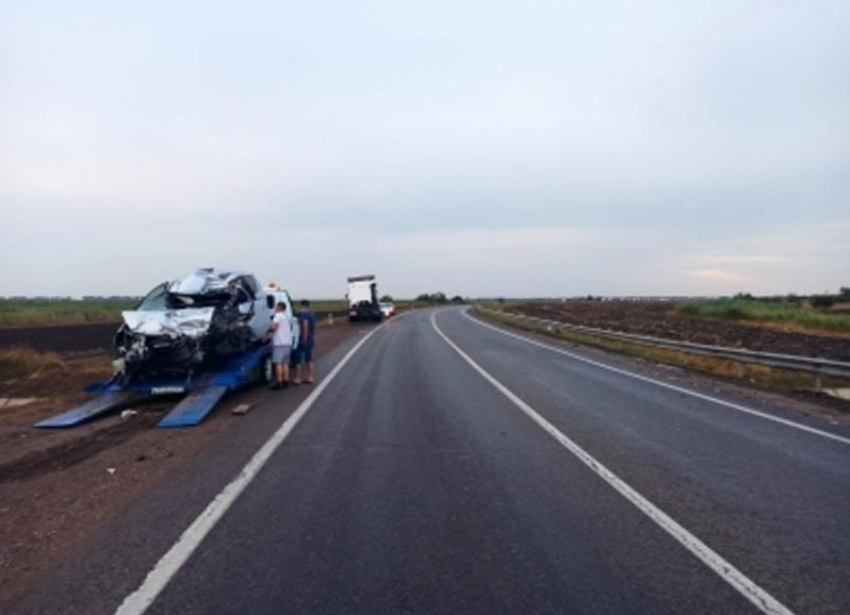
(805, 407)
(89, 486)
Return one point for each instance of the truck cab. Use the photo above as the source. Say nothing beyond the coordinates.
(363, 299)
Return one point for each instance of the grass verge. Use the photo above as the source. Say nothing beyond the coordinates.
(46, 312)
(37, 312)
(768, 312)
(28, 373)
(21, 362)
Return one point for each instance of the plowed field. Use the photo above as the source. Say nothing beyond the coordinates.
(660, 319)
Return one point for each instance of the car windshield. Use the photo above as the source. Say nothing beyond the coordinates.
(156, 300)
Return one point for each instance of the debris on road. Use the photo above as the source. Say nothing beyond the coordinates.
(16, 402)
(842, 393)
(242, 409)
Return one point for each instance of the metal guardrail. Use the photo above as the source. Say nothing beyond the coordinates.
(825, 367)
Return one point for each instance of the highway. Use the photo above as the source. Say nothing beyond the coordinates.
(445, 465)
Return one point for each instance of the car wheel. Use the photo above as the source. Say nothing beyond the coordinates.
(268, 370)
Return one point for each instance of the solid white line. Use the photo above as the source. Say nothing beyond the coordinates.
(672, 387)
(737, 579)
(170, 563)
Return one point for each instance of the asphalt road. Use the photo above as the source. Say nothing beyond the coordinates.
(415, 483)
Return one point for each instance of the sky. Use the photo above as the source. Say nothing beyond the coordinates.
(527, 148)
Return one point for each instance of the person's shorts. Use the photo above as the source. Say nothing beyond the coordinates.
(280, 354)
(302, 354)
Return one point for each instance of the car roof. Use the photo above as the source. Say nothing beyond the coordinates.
(211, 280)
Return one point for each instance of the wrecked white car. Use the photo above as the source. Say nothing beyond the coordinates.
(207, 316)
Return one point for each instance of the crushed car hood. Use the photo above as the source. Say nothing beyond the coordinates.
(189, 322)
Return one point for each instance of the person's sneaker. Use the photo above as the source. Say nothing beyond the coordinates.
(284, 385)
(275, 386)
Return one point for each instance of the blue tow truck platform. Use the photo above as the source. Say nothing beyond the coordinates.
(200, 336)
(202, 392)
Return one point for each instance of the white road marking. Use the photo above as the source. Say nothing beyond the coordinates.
(170, 563)
(737, 579)
(672, 387)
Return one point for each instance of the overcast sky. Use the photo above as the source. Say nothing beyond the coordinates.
(481, 148)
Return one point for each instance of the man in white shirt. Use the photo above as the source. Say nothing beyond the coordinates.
(281, 335)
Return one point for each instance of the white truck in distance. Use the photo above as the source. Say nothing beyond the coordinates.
(363, 299)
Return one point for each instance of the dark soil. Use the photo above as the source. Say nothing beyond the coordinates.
(74, 450)
(660, 319)
(77, 338)
(62, 338)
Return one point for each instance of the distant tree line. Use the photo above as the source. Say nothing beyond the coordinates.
(439, 298)
(822, 300)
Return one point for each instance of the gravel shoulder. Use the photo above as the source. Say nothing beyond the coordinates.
(799, 406)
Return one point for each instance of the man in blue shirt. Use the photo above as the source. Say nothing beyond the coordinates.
(304, 352)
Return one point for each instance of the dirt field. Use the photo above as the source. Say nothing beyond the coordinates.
(73, 338)
(61, 338)
(659, 319)
(58, 486)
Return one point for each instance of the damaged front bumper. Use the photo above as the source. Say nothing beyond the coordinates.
(162, 342)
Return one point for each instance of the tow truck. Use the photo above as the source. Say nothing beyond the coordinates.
(201, 336)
